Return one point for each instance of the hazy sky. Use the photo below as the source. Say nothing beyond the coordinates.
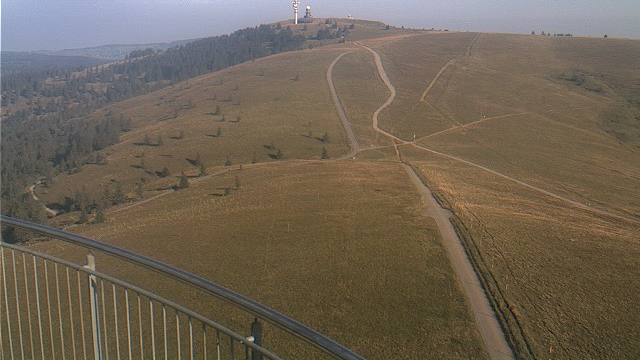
(62, 24)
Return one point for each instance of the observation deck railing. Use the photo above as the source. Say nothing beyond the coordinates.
(54, 308)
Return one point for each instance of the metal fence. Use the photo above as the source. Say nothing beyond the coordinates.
(56, 309)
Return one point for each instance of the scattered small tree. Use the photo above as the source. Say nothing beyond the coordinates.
(140, 190)
(184, 181)
(325, 154)
(84, 217)
(165, 172)
(605, 36)
(198, 160)
(227, 191)
(99, 215)
(325, 137)
(387, 27)
(279, 154)
(118, 194)
(203, 170)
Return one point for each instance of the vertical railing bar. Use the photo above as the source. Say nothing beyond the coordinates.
(140, 328)
(46, 280)
(6, 302)
(94, 305)
(164, 327)
(71, 323)
(26, 292)
(115, 319)
(35, 283)
(84, 341)
(55, 268)
(204, 340)
(104, 321)
(15, 283)
(1, 341)
(178, 334)
(218, 342)
(246, 352)
(191, 337)
(153, 336)
(126, 297)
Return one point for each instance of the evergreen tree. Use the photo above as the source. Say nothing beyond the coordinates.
(165, 172)
(203, 170)
(99, 215)
(184, 181)
(325, 154)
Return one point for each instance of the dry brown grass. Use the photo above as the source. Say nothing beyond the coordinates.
(569, 277)
(341, 247)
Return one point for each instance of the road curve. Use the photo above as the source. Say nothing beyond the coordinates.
(353, 142)
(392, 96)
(486, 320)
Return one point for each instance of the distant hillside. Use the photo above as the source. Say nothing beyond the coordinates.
(15, 62)
(114, 51)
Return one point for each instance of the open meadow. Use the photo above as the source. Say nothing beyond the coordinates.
(341, 247)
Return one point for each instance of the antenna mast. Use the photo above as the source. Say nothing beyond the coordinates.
(295, 11)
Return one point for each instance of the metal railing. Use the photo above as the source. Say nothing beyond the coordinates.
(53, 308)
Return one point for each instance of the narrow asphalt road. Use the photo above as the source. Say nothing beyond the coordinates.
(490, 330)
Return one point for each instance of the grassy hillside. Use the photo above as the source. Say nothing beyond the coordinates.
(341, 247)
(268, 105)
(557, 114)
(507, 106)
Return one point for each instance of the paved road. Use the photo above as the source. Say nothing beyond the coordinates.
(490, 330)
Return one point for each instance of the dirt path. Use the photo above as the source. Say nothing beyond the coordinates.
(485, 318)
(423, 98)
(490, 330)
(49, 211)
(353, 142)
(576, 204)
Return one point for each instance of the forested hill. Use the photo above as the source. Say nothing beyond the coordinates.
(43, 130)
(17, 62)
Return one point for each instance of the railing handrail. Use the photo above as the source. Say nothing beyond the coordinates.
(179, 308)
(264, 312)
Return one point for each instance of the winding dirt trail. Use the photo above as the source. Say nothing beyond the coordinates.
(353, 142)
(385, 79)
(488, 326)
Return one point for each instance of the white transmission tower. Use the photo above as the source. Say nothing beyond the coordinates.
(296, 4)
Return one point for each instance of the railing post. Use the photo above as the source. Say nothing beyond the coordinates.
(256, 333)
(95, 320)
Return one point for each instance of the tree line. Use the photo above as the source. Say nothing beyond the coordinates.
(50, 131)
